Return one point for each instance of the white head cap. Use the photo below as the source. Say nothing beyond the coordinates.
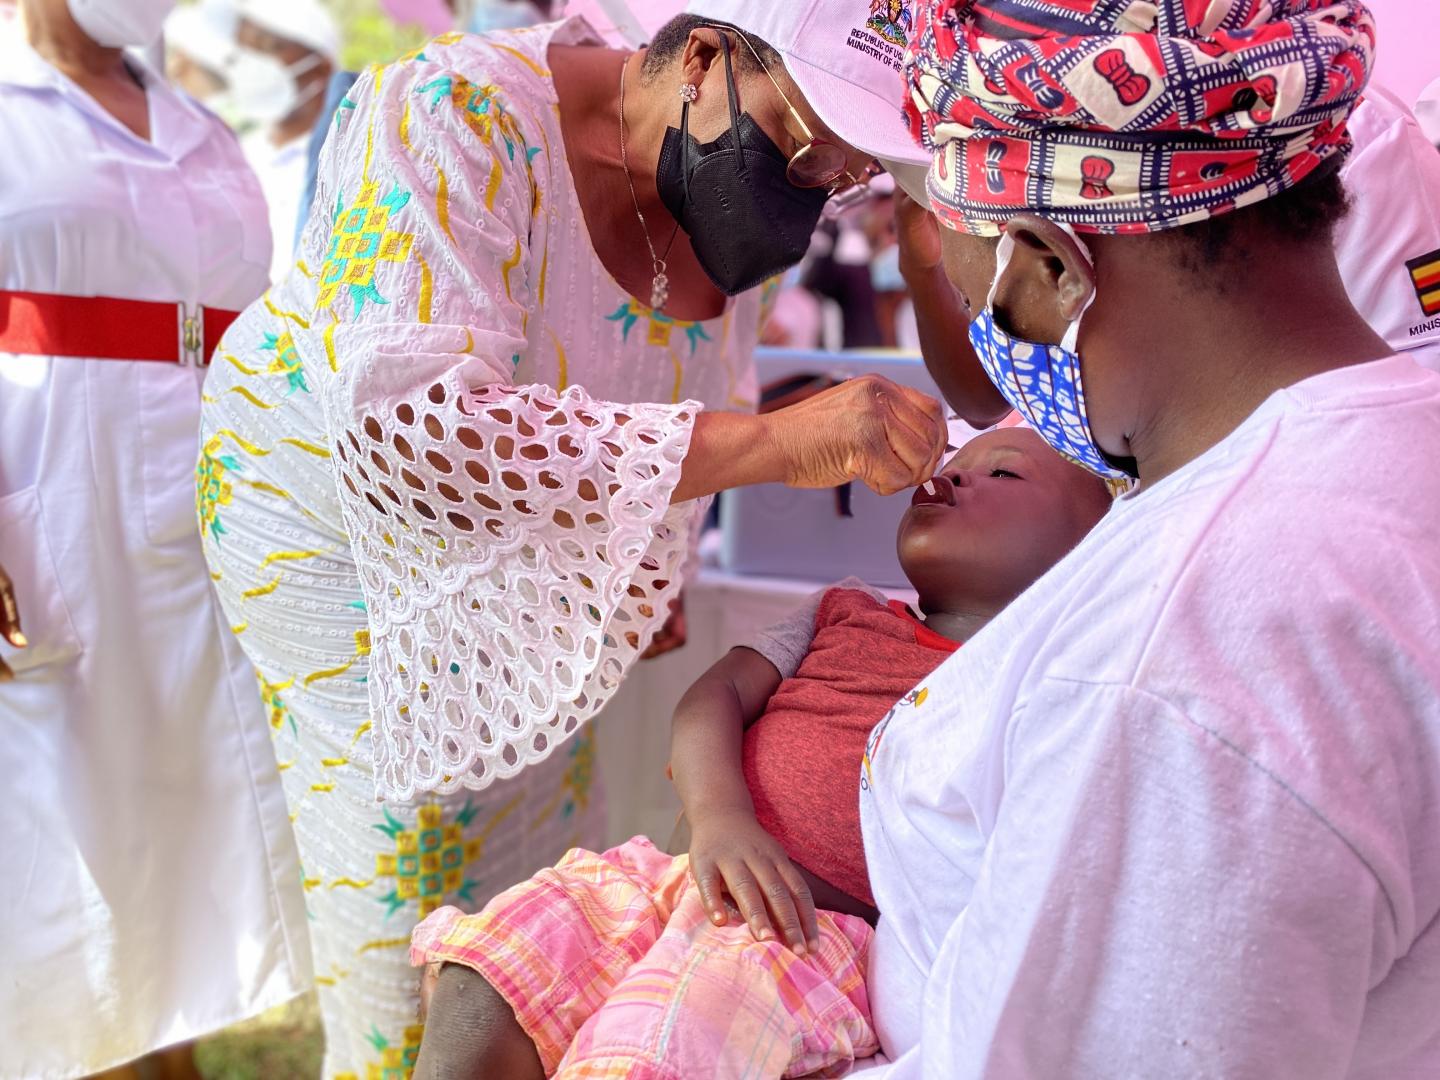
(205, 32)
(305, 22)
(844, 55)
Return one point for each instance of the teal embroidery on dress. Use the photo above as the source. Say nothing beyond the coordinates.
(212, 490)
(287, 360)
(660, 325)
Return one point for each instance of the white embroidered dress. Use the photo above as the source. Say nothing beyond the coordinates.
(435, 491)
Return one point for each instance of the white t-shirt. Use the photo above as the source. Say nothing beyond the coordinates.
(1388, 245)
(1176, 811)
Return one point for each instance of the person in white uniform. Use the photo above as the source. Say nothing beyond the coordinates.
(285, 53)
(150, 891)
(1176, 811)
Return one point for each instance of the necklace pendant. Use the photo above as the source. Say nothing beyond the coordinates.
(659, 291)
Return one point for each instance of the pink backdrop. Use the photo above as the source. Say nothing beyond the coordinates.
(1409, 45)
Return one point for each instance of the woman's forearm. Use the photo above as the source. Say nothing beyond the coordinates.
(942, 323)
(728, 450)
(869, 429)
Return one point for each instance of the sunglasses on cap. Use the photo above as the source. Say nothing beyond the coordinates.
(819, 163)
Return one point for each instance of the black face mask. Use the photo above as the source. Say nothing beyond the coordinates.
(746, 221)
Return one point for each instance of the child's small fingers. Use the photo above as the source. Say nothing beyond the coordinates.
(804, 904)
(748, 897)
(707, 880)
(782, 908)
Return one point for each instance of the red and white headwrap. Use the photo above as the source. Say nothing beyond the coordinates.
(1121, 116)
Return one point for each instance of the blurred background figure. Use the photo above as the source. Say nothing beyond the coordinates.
(285, 53)
(199, 39)
(1427, 112)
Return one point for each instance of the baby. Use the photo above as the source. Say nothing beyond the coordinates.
(630, 963)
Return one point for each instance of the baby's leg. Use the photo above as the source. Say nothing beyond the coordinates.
(712, 1001)
(471, 1033)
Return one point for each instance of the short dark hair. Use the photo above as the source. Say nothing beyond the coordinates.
(669, 42)
(1305, 214)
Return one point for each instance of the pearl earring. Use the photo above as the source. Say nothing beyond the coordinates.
(689, 92)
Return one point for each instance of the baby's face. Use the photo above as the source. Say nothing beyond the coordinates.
(1006, 508)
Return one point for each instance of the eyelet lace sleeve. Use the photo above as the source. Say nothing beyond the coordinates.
(516, 545)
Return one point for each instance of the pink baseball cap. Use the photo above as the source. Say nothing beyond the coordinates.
(845, 57)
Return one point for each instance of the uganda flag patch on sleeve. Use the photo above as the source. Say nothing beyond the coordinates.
(1425, 276)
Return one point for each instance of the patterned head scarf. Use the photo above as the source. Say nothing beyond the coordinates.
(1123, 116)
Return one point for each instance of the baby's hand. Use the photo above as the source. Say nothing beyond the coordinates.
(731, 853)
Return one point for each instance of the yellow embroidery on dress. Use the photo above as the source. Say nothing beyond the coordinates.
(492, 186)
(289, 315)
(508, 265)
(287, 556)
(384, 943)
(429, 860)
(351, 883)
(261, 590)
(362, 642)
(404, 129)
(442, 200)
(369, 152)
(274, 704)
(238, 365)
(206, 399)
(305, 270)
(212, 489)
(544, 270)
(328, 337)
(536, 68)
(328, 673)
(469, 341)
(248, 396)
(309, 448)
(361, 237)
(427, 289)
(239, 628)
(322, 787)
(240, 441)
(562, 380)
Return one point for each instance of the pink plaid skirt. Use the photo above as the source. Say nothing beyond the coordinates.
(614, 970)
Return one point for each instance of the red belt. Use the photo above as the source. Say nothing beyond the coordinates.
(105, 328)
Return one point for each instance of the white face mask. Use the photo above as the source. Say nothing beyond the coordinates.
(261, 90)
(120, 24)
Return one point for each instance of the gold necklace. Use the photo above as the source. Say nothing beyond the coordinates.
(660, 283)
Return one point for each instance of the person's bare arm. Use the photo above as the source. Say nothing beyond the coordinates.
(869, 429)
(942, 319)
(729, 850)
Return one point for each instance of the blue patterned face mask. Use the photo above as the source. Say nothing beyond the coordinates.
(1041, 381)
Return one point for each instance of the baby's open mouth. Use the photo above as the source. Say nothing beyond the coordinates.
(944, 493)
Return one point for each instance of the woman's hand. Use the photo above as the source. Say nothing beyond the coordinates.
(870, 429)
(671, 636)
(9, 621)
(731, 853)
